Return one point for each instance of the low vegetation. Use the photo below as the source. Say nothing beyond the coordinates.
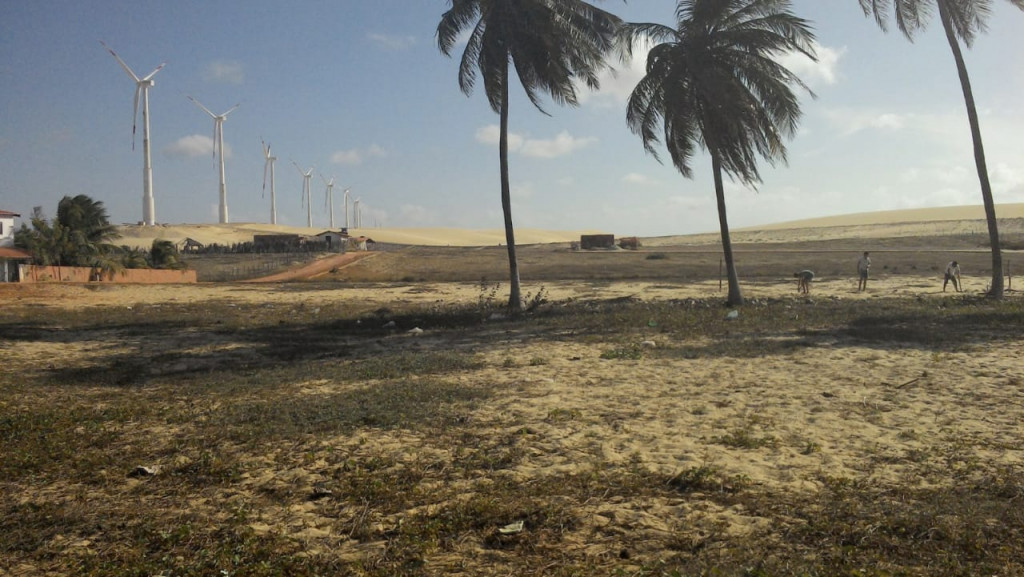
(228, 438)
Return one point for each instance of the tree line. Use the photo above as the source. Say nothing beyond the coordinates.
(81, 235)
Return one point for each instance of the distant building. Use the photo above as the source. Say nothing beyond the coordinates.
(10, 257)
(335, 240)
(592, 241)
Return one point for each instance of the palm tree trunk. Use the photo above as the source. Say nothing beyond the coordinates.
(735, 295)
(515, 302)
(979, 154)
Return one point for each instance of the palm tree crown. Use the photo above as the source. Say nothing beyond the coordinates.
(712, 83)
(967, 17)
(551, 44)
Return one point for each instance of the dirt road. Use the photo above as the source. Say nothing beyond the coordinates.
(317, 267)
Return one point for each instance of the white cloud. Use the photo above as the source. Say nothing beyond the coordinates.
(355, 156)
(617, 82)
(491, 134)
(391, 42)
(561, 145)
(641, 179)
(224, 71)
(192, 146)
(814, 73)
(850, 121)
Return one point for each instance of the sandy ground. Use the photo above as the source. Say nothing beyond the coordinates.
(831, 409)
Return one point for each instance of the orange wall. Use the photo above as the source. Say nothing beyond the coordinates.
(33, 273)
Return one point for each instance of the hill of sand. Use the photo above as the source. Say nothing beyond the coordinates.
(952, 220)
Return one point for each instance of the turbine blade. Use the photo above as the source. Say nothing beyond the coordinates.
(230, 110)
(266, 168)
(153, 73)
(121, 62)
(205, 109)
(135, 112)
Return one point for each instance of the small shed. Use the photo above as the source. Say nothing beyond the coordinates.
(189, 245)
(597, 241)
(629, 243)
(335, 240)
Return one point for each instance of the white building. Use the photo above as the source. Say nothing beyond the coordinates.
(9, 256)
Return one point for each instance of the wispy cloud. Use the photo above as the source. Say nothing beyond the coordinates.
(641, 179)
(815, 73)
(224, 72)
(356, 156)
(391, 42)
(561, 145)
(193, 146)
(851, 121)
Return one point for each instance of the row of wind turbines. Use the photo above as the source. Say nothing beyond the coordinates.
(142, 86)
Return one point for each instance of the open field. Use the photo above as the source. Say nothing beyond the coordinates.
(292, 429)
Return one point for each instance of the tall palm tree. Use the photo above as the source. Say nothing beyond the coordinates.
(550, 43)
(962, 20)
(712, 83)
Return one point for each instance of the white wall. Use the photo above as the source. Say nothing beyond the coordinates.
(6, 231)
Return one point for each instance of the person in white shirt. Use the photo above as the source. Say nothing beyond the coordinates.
(952, 274)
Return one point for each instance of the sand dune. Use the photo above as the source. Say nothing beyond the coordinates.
(954, 220)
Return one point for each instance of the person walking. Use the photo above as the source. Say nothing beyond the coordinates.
(863, 264)
(952, 274)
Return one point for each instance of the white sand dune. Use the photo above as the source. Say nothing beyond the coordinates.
(893, 223)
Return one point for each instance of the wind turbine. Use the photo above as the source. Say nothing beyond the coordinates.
(305, 192)
(330, 196)
(346, 207)
(355, 208)
(142, 92)
(269, 164)
(218, 146)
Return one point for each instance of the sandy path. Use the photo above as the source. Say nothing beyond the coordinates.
(316, 268)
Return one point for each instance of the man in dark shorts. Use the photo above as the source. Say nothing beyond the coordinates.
(863, 264)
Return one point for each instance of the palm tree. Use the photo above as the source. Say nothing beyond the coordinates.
(89, 227)
(712, 83)
(962, 20)
(551, 43)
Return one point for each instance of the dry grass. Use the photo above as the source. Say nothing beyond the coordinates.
(288, 445)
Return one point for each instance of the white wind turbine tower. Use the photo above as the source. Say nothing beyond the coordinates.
(355, 208)
(330, 196)
(305, 192)
(142, 92)
(269, 164)
(347, 190)
(218, 146)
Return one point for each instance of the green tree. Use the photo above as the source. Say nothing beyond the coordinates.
(80, 235)
(712, 83)
(164, 254)
(962, 20)
(552, 44)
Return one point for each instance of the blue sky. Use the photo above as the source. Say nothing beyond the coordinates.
(359, 89)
